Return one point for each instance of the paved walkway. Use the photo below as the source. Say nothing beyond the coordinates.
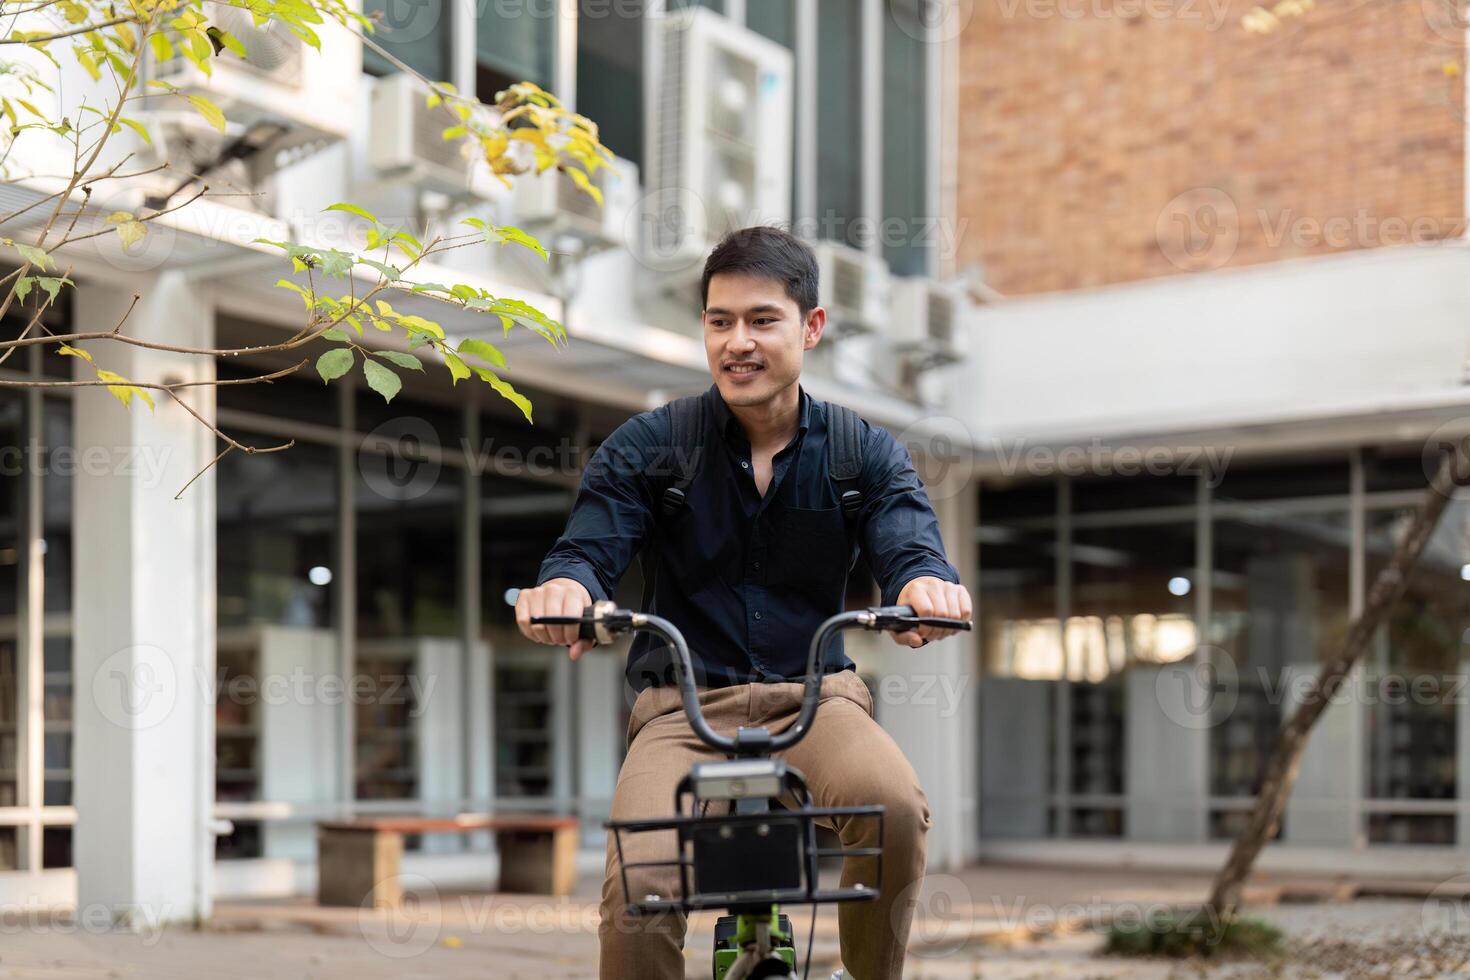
(990, 921)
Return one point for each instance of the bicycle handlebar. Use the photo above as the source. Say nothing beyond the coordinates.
(603, 620)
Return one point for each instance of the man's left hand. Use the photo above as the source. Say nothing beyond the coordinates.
(932, 596)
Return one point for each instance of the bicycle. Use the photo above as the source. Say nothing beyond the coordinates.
(753, 859)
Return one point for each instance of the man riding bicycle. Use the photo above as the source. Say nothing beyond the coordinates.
(748, 557)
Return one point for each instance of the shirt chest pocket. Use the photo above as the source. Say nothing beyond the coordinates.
(810, 552)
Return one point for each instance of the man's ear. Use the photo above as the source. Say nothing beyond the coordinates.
(812, 327)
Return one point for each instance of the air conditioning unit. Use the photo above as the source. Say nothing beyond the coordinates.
(927, 320)
(407, 140)
(718, 151)
(305, 93)
(551, 204)
(854, 288)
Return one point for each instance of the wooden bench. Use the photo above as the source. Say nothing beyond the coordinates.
(358, 861)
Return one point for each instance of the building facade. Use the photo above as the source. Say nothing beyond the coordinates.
(192, 679)
(1238, 261)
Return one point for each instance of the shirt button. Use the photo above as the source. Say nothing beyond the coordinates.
(757, 615)
(744, 465)
(755, 564)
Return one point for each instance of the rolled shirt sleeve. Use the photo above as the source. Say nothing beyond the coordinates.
(612, 514)
(900, 532)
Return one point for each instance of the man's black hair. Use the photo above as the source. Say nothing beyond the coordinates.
(769, 253)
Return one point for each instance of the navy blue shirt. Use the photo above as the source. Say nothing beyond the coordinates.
(746, 578)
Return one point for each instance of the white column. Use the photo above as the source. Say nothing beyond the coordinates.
(599, 738)
(929, 701)
(145, 617)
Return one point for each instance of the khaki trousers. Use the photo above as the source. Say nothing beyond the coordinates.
(848, 760)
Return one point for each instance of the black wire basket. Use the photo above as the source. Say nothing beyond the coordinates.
(740, 860)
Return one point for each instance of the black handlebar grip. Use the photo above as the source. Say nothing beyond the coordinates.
(587, 629)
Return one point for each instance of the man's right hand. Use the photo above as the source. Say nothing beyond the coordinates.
(554, 597)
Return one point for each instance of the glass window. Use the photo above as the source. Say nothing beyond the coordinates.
(299, 397)
(407, 548)
(1407, 468)
(610, 76)
(276, 537)
(408, 512)
(776, 19)
(773, 19)
(514, 42)
(1414, 676)
(12, 550)
(1179, 489)
(1283, 480)
(1017, 603)
(839, 121)
(1098, 756)
(1132, 598)
(519, 522)
(415, 32)
(906, 240)
(1280, 602)
(56, 490)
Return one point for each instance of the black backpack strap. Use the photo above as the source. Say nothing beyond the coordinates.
(845, 457)
(686, 444)
(686, 448)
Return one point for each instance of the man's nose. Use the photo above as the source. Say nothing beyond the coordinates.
(741, 340)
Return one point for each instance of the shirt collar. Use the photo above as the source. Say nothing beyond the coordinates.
(725, 418)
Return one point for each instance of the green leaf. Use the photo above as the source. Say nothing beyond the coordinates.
(334, 363)
(381, 380)
(335, 262)
(223, 39)
(506, 391)
(413, 322)
(417, 340)
(483, 349)
(23, 287)
(401, 359)
(300, 291)
(457, 368)
(35, 256)
(510, 235)
(428, 287)
(209, 111)
(137, 127)
(390, 272)
(53, 284)
(335, 333)
(163, 49)
(351, 209)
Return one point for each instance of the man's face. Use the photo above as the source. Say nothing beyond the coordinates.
(754, 337)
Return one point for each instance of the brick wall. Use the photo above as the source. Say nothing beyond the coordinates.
(1110, 140)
